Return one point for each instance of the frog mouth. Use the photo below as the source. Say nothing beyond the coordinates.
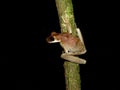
(54, 41)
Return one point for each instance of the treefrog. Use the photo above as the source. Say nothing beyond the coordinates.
(72, 45)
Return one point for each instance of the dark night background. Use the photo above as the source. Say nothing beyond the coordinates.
(39, 65)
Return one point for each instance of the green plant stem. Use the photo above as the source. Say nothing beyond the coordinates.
(66, 19)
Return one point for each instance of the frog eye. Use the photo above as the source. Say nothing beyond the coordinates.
(51, 39)
(55, 40)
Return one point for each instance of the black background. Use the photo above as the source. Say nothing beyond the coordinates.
(39, 65)
(3, 59)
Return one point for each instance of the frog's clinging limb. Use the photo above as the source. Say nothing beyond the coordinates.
(70, 55)
(72, 46)
(81, 39)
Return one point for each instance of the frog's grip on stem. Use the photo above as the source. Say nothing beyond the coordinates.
(74, 59)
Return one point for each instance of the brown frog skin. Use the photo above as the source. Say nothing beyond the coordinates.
(72, 46)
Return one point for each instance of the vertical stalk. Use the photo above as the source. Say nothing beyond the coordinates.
(67, 22)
